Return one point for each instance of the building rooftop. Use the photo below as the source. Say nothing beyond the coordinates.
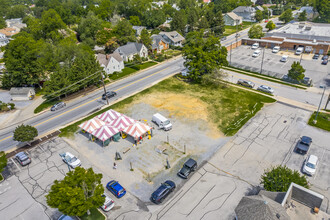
(303, 30)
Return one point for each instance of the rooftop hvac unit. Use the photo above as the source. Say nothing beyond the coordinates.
(308, 28)
(314, 40)
(301, 25)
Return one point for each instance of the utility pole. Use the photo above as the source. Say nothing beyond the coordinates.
(300, 57)
(105, 91)
(326, 104)
(318, 109)
(230, 52)
(262, 61)
(236, 31)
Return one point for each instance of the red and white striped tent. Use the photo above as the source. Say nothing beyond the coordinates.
(105, 132)
(137, 129)
(122, 122)
(109, 116)
(92, 125)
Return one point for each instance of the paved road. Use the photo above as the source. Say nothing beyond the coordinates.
(78, 108)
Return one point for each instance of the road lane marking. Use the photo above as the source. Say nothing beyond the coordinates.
(91, 101)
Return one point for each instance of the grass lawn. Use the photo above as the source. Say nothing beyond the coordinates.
(95, 215)
(323, 121)
(44, 105)
(229, 108)
(131, 69)
(232, 29)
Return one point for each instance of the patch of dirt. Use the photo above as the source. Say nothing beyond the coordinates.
(186, 107)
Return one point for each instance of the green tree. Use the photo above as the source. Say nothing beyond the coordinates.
(278, 179)
(3, 161)
(179, 21)
(203, 55)
(2, 23)
(203, 23)
(270, 25)
(79, 191)
(323, 8)
(154, 18)
(218, 26)
(168, 10)
(135, 20)
(215, 78)
(145, 38)
(256, 32)
(50, 23)
(111, 45)
(259, 15)
(302, 16)
(88, 27)
(21, 58)
(192, 18)
(17, 11)
(25, 133)
(124, 32)
(286, 16)
(297, 71)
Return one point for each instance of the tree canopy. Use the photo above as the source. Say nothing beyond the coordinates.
(278, 179)
(3, 161)
(25, 133)
(302, 16)
(297, 71)
(256, 32)
(145, 38)
(203, 55)
(270, 25)
(88, 27)
(286, 16)
(79, 191)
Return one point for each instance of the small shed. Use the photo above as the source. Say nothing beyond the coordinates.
(22, 93)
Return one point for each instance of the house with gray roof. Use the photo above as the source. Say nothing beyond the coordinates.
(3, 40)
(111, 62)
(311, 13)
(138, 30)
(246, 12)
(173, 37)
(232, 19)
(22, 93)
(128, 51)
(159, 43)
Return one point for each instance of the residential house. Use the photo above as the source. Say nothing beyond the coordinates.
(159, 43)
(246, 12)
(8, 32)
(16, 23)
(259, 8)
(232, 19)
(309, 11)
(138, 30)
(3, 40)
(111, 62)
(173, 37)
(128, 51)
(296, 203)
(22, 93)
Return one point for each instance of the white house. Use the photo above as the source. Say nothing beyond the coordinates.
(232, 19)
(138, 30)
(128, 51)
(3, 40)
(173, 37)
(111, 62)
(22, 93)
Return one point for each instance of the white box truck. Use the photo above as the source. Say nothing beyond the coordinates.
(162, 122)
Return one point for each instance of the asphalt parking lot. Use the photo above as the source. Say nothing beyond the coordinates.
(241, 57)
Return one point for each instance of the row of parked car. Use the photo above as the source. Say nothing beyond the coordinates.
(250, 84)
(311, 162)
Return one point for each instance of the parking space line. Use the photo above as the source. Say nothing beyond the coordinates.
(319, 163)
(42, 149)
(15, 164)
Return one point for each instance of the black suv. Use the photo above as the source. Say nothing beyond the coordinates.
(188, 167)
(109, 95)
(162, 192)
(303, 145)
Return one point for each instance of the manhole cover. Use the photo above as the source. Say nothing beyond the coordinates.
(284, 121)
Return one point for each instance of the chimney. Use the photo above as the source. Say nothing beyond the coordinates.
(107, 56)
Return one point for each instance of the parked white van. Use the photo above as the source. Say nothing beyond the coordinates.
(284, 58)
(256, 53)
(162, 122)
(299, 50)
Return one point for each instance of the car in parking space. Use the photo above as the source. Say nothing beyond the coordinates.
(246, 83)
(276, 49)
(58, 106)
(189, 166)
(310, 165)
(70, 159)
(255, 46)
(325, 57)
(299, 50)
(267, 89)
(316, 56)
(308, 81)
(304, 144)
(162, 192)
(115, 188)
(22, 158)
(108, 203)
(284, 58)
(109, 95)
(325, 62)
(256, 53)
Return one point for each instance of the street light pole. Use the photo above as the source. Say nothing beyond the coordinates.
(318, 109)
(105, 92)
(262, 61)
(300, 58)
(230, 52)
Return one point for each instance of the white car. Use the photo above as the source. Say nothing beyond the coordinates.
(284, 58)
(299, 50)
(108, 203)
(255, 46)
(256, 53)
(267, 89)
(71, 160)
(276, 49)
(310, 165)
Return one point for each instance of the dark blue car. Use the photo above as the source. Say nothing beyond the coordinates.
(162, 192)
(115, 188)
